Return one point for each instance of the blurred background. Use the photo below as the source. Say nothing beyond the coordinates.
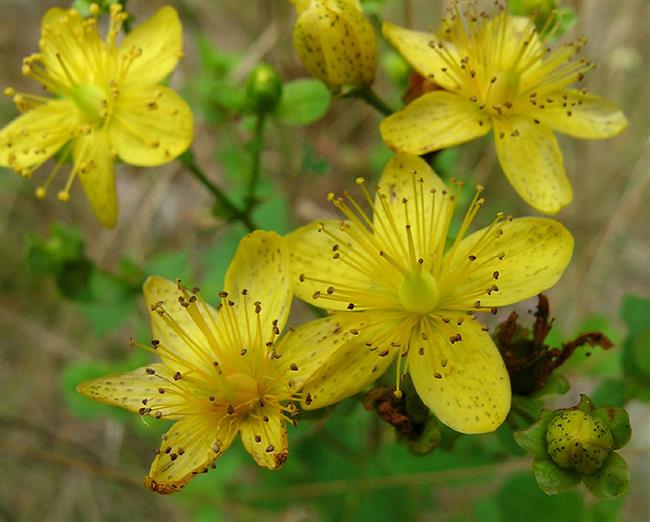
(70, 290)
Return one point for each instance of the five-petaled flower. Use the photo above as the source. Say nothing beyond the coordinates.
(400, 291)
(335, 42)
(108, 103)
(495, 73)
(222, 371)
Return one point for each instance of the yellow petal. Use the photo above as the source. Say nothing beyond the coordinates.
(150, 126)
(506, 42)
(184, 345)
(529, 257)
(316, 268)
(352, 366)
(33, 137)
(465, 384)
(434, 121)
(266, 441)
(94, 165)
(137, 391)
(312, 343)
(69, 51)
(418, 49)
(261, 268)
(161, 41)
(580, 115)
(408, 178)
(188, 448)
(533, 163)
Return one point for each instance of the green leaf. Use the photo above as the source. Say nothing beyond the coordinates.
(637, 347)
(312, 162)
(521, 499)
(73, 279)
(533, 439)
(611, 391)
(214, 62)
(605, 511)
(109, 304)
(552, 479)
(303, 102)
(555, 383)
(506, 439)
(216, 259)
(635, 311)
(272, 214)
(610, 481)
(618, 422)
(487, 510)
(171, 265)
(527, 405)
(396, 68)
(585, 404)
(428, 440)
(445, 160)
(39, 257)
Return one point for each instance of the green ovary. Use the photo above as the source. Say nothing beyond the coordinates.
(578, 441)
(240, 388)
(91, 101)
(418, 293)
(504, 90)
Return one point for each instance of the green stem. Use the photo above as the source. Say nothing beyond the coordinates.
(372, 98)
(187, 159)
(256, 150)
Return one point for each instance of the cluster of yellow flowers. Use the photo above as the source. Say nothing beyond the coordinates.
(397, 290)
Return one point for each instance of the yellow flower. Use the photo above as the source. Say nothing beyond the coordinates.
(497, 74)
(107, 103)
(222, 371)
(400, 291)
(335, 42)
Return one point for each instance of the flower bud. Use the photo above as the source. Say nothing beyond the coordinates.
(578, 441)
(263, 88)
(335, 42)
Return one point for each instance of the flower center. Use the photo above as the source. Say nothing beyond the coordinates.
(505, 89)
(240, 388)
(418, 293)
(91, 101)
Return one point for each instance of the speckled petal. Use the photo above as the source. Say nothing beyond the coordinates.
(528, 257)
(160, 39)
(580, 115)
(95, 169)
(188, 448)
(137, 391)
(66, 40)
(150, 126)
(312, 343)
(336, 43)
(324, 258)
(418, 49)
(434, 121)
(533, 163)
(261, 268)
(266, 439)
(465, 384)
(355, 364)
(33, 137)
(184, 345)
(407, 177)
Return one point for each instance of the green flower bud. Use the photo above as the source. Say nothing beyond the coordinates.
(577, 441)
(263, 88)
